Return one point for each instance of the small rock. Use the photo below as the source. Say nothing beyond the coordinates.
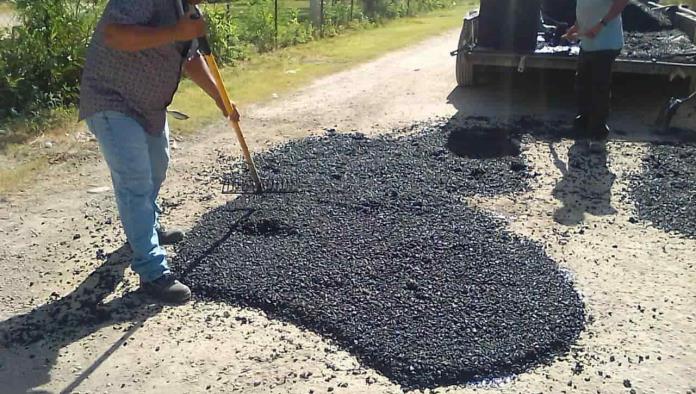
(98, 190)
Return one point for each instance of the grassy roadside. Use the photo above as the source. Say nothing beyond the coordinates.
(289, 68)
(255, 80)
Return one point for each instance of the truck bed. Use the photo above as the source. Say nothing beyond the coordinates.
(668, 52)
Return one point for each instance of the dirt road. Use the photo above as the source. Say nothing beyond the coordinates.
(61, 245)
(7, 18)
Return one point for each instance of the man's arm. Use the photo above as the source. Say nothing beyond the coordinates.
(133, 38)
(198, 71)
(616, 9)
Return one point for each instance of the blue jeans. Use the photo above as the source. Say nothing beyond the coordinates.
(138, 163)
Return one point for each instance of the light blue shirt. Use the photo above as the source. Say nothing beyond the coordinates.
(591, 12)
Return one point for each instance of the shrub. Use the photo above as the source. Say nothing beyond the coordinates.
(292, 31)
(41, 59)
(258, 25)
(224, 36)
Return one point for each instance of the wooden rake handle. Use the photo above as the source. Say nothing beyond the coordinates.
(212, 65)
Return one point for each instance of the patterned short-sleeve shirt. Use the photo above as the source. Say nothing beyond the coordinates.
(139, 84)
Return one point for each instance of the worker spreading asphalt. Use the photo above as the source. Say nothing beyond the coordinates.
(664, 190)
(381, 252)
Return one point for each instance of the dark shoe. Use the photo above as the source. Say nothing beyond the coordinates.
(601, 133)
(580, 123)
(169, 237)
(597, 147)
(167, 289)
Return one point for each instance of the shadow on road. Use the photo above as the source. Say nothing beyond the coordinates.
(585, 186)
(510, 107)
(549, 97)
(30, 343)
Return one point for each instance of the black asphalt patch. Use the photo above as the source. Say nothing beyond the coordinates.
(665, 191)
(483, 143)
(382, 254)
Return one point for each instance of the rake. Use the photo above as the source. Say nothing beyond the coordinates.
(231, 185)
(670, 109)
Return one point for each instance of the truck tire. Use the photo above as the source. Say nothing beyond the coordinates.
(465, 70)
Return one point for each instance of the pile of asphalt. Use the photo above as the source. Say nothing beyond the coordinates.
(665, 191)
(381, 253)
(667, 45)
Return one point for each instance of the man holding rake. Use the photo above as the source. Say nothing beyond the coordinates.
(133, 68)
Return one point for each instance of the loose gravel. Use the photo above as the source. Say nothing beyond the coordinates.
(668, 45)
(665, 191)
(381, 253)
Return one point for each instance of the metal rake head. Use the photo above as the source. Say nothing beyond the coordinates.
(240, 184)
(664, 119)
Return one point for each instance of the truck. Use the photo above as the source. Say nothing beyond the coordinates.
(472, 57)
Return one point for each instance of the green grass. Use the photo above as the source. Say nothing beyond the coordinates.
(263, 75)
(15, 177)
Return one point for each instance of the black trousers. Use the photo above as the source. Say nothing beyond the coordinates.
(593, 89)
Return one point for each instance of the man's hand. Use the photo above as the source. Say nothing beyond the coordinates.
(235, 112)
(593, 32)
(186, 29)
(571, 34)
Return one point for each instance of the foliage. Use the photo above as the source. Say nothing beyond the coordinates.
(41, 59)
(378, 10)
(225, 37)
(292, 31)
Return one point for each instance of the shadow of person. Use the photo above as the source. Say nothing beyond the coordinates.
(585, 186)
(30, 343)
(549, 97)
(505, 96)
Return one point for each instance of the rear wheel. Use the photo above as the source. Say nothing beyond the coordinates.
(464, 69)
